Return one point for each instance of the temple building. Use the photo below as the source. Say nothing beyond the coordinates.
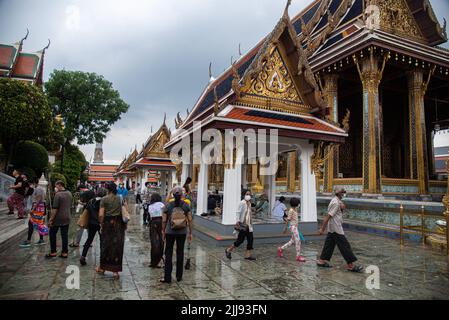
(352, 86)
(101, 171)
(152, 164)
(19, 65)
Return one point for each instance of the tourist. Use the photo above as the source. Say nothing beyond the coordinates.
(122, 192)
(112, 240)
(138, 195)
(60, 220)
(262, 207)
(292, 220)
(16, 200)
(176, 219)
(37, 217)
(155, 210)
(93, 225)
(279, 209)
(244, 227)
(333, 222)
(85, 197)
(187, 189)
(146, 202)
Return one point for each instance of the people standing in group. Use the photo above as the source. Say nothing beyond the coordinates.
(122, 191)
(333, 224)
(279, 209)
(85, 197)
(36, 221)
(93, 227)
(176, 226)
(244, 227)
(60, 220)
(16, 199)
(155, 209)
(293, 220)
(112, 240)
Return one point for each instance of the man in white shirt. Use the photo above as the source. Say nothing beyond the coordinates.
(333, 222)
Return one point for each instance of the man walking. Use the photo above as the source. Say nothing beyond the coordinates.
(335, 234)
(60, 220)
(17, 199)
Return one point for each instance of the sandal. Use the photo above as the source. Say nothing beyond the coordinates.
(324, 265)
(99, 270)
(116, 276)
(51, 255)
(64, 255)
(74, 245)
(356, 269)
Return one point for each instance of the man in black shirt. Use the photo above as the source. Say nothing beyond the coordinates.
(16, 200)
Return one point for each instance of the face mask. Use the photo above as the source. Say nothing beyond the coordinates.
(56, 190)
(247, 198)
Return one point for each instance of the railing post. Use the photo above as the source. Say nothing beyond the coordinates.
(423, 238)
(401, 225)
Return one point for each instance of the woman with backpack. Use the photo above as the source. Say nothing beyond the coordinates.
(93, 226)
(176, 227)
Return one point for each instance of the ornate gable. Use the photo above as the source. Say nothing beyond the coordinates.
(279, 77)
(155, 147)
(396, 18)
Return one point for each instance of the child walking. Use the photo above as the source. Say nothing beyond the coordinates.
(292, 219)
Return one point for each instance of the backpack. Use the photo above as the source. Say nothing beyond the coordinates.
(178, 219)
(29, 192)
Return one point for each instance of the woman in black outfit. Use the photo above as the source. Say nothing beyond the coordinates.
(93, 206)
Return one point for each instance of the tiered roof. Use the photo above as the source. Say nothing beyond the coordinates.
(20, 65)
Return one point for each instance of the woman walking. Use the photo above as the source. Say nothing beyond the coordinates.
(112, 240)
(155, 210)
(85, 197)
(93, 208)
(244, 227)
(292, 219)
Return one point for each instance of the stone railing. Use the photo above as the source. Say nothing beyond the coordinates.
(5, 182)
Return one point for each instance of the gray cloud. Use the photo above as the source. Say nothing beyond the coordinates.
(155, 52)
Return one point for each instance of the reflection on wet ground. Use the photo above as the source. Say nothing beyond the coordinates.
(411, 273)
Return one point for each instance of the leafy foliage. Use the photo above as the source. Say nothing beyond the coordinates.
(87, 103)
(73, 166)
(30, 154)
(24, 113)
(56, 177)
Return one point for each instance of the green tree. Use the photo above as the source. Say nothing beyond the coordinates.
(32, 155)
(24, 114)
(74, 163)
(87, 103)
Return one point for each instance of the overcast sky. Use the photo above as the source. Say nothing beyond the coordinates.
(155, 52)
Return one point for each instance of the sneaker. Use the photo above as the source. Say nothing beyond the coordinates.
(83, 261)
(251, 258)
(25, 244)
(10, 213)
(300, 259)
(20, 218)
(280, 252)
(228, 254)
(40, 243)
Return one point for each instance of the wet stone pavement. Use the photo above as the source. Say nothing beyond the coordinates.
(411, 273)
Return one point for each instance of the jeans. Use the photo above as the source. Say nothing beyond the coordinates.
(91, 232)
(64, 237)
(138, 199)
(170, 241)
(334, 239)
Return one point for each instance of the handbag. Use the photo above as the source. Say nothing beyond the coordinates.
(83, 221)
(243, 226)
(125, 215)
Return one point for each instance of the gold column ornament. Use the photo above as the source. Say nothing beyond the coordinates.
(370, 70)
(291, 174)
(417, 88)
(331, 164)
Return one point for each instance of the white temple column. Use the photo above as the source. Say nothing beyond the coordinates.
(244, 175)
(174, 178)
(203, 179)
(144, 179)
(231, 194)
(163, 183)
(308, 186)
(185, 173)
